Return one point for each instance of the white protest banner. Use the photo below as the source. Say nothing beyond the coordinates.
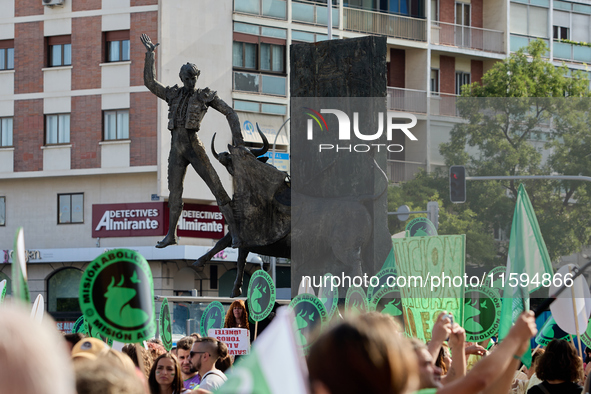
(237, 339)
(38, 309)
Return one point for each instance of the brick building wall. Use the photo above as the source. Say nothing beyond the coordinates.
(87, 52)
(28, 135)
(447, 11)
(476, 70)
(86, 5)
(476, 13)
(447, 74)
(142, 129)
(28, 7)
(29, 46)
(86, 131)
(396, 68)
(145, 22)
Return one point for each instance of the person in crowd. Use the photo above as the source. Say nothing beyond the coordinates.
(147, 361)
(521, 386)
(237, 316)
(204, 355)
(559, 368)
(165, 376)
(33, 358)
(223, 364)
(174, 351)
(363, 354)
(191, 378)
(107, 374)
(155, 350)
(492, 375)
(196, 335)
(72, 339)
(156, 341)
(443, 360)
(442, 329)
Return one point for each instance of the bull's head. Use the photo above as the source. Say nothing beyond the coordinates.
(226, 157)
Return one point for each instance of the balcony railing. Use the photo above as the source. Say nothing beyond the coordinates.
(390, 25)
(313, 13)
(467, 37)
(407, 100)
(443, 104)
(577, 53)
(260, 83)
(401, 171)
(269, 8)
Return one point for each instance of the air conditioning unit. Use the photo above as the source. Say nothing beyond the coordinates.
(52, 3)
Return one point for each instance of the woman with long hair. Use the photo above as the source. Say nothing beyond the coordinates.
(237, 317)
(560, 370)
(165, 376)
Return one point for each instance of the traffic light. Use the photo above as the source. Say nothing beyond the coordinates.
(457, 184)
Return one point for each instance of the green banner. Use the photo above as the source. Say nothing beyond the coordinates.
(20, 287)
(261, 295)
(117, 296)
(212, 317)
(310, 319)
(165, 325)
(424, 265)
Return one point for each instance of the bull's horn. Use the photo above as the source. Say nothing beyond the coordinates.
(265, 148)
(215, 154)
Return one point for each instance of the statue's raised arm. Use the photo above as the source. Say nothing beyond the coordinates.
(150, 69)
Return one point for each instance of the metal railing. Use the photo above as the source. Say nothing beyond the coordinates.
(407, 100)
(259, 83)
(401, 171)
(313, 13)
(573, 52)
(467, 37)
(443, 104)
(268, 8)
(390, 25)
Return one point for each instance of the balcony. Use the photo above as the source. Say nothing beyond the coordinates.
(259, 83)
(407, 100)
(267, 8)
(467, 37)
(443, 104)
(372, 22)
(572, 52)
(401, 171)
(313, 13)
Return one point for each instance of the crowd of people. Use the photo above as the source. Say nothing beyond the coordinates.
(365, 354)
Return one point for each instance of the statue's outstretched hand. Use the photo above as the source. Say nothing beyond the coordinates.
(148, 43)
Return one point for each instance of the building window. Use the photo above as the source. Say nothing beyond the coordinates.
(57, 129)
(2, 211)
(258, 53)
(434, 81)
(434, 10)
(561, 33)
(5, 132)
(272, 57)
(59, 49)
(116, 125)
(62, 294)
(462, 79)
(70, 208)
(244, 55)
(7, 55)
(117, 44)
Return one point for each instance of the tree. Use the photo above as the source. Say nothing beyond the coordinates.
(527, 117)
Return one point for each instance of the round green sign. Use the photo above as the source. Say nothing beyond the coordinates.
(586, 337)
(550, 331)
(94, 333)
(165, 326)
(310, 319)
(261, 295)
(213, 317)
(382, 283)
(117, 296)
(328, 295)
(482, 313)
(79, 326)
(494, 279)
(421, 227)
(356, 301)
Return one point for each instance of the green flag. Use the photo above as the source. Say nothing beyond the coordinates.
(527, 254)
(20, 287)
(274, 364)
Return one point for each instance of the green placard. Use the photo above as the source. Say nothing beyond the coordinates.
(309, 312)
(213, 317)
(387, 299)
(420, 227)
(550, 331)
(165, 325)
(482, 313)
(20, 287)
(2, 290)
(385, 275)
(586, 337)
(95, 333)
(356, 301)
(261, 295)
(497, 275)
(117, 296)
(79, 326)
(418, 261)
(328, 295)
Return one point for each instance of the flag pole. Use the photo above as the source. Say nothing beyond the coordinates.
(329, 18)
(572, 293)
(256, 328)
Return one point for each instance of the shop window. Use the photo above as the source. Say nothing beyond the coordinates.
(70, 208)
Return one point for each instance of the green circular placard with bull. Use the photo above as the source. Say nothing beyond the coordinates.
(356, 302)
(165, 325)
(328, 295)
(79, 326)
(93, 332)
(261, 295)
(482, 313)
(494, 279)
(310, 319)
(117, 296)
(213, 317)
(421, 227)
(383, 278)
(549, 331)
(586, 337)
